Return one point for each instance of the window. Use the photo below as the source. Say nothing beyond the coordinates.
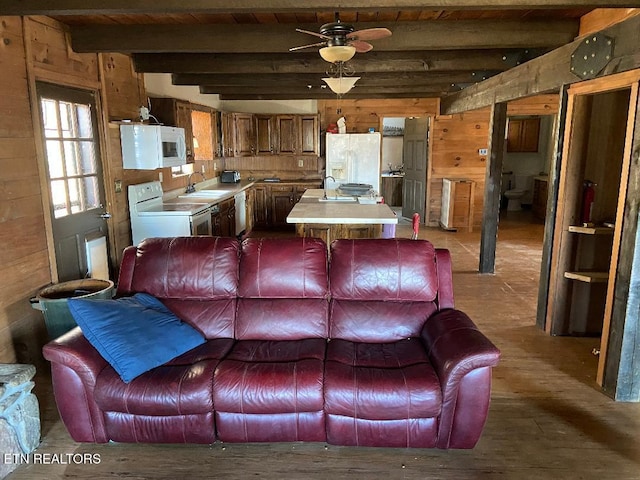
(71, 156)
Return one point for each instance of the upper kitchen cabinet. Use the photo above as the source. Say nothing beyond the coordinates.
(245, 142)
(265, 134)
(228, 134)
(297, 134)
(309, 134)
(177, 113)
(204, 123)
(286, 126)
(523, 135)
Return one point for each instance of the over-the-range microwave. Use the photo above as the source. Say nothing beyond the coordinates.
(147, 147)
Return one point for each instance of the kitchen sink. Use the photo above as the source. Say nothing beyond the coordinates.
(205, 193)
(338, 198)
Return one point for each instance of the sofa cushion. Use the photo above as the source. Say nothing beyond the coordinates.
(180, 387)
(383, 269)
(134, 334)
(283, 268)
(282, 318)
(389, 381)
(271, 377)
(377, 321)
(196, 268)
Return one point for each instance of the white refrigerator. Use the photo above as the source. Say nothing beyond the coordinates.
(353, 158)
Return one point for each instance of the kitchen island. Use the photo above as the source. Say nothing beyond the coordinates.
(339, 216)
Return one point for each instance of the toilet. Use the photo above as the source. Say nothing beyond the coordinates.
(514, 196)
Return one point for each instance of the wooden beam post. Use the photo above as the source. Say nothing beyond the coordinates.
(622, 369)
(550, 217)
(489, 236)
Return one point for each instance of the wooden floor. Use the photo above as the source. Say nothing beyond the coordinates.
(548, 419)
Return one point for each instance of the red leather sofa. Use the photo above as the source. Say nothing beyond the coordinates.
(364, 349)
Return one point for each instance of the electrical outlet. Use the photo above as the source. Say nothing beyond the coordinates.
(215, 165)
(482, 151)
(160, 176)
(301, 163)
(202, 168)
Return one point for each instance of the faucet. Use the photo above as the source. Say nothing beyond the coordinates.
(324, 184)
(191, 187)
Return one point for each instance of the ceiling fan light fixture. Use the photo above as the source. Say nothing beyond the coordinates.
(341, 85)
(338, 53)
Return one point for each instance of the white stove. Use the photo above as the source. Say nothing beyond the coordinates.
(151, 217)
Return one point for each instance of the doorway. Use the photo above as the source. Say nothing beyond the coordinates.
(588, 227)
(75, 181)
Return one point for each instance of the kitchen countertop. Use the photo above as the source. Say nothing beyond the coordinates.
(311, 210)
(227, 191)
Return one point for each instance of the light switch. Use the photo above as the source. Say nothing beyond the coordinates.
(118, 186)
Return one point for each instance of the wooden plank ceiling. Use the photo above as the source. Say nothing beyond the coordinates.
(239, 49)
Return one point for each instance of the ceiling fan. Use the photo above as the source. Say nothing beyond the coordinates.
(341, 41)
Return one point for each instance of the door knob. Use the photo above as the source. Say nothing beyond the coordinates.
(105, 215)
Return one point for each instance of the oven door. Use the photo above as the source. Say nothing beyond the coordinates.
(201, 223)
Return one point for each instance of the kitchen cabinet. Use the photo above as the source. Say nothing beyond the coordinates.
(260, 206)
(244, 144)
(523, 134)
(282, 201)
(249, 205)
(223, 219)
(228, 134)
(539, 205)
(392, 191)
(272, 203)
(174, 112)
(297, 135)
(309, 134)
(264, 134)
(457, 204)
(286, 126)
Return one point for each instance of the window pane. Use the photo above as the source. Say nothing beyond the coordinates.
(59, 199)
(50, 121)
(65, 119)
(88, 158)
(84, 121)
(71, 158)
(75, 195)
(91, 193)
(54, 158)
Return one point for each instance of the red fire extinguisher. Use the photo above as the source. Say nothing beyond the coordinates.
(588, 197)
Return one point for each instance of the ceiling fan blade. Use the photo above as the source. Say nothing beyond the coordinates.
(361, 47)
(293, 49)
(370, 34)
(316, 34)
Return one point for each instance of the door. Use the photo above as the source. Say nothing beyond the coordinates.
(415, 148)
(74, 177)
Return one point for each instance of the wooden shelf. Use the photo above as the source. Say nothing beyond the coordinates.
(591, 230)
(588, 277)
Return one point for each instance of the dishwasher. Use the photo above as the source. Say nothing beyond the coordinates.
(241, 212)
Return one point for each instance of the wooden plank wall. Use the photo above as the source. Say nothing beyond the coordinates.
(455, 139)
(24, 259)
(36, 49)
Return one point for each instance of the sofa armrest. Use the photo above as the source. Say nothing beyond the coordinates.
(462, 357)
(75, 366)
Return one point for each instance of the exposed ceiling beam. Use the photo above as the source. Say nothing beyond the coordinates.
(321, 89)
(321, 96)
(259, 63)
(113, 7)
(287, 79)
(548, 72)
(274, 38)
